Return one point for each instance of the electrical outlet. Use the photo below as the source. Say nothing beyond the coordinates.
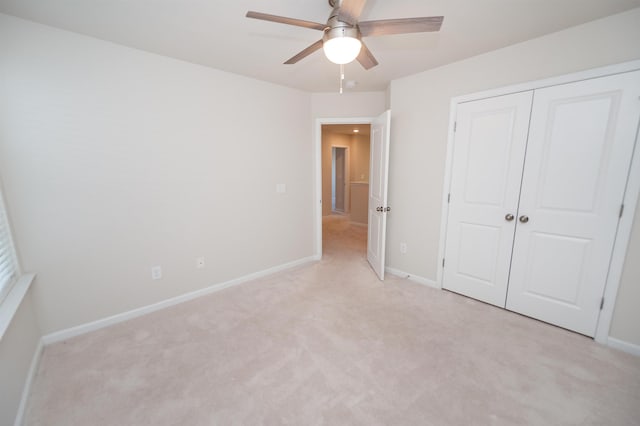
(200, 262)
(156, 272)
(403, 248)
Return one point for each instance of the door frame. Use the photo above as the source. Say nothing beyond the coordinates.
(317, 161)
(630, 200)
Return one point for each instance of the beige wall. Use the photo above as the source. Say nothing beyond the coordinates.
(115, 160)
(360, 173)
(17, 348)
(359, 203)
(420, 116)
(360, 161)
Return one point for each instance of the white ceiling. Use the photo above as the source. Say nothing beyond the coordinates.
(215, 33)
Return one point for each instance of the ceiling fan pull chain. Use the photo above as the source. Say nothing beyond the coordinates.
(341, 77)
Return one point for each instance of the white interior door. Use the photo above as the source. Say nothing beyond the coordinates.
(579, 152)
(378, 173)
(489, 151)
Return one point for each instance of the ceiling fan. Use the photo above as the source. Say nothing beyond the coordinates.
(343, 32)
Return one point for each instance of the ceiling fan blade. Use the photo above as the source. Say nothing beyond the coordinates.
(306, 52)
(400, 26)
(285, 20)
(350, 11)
(366, 58)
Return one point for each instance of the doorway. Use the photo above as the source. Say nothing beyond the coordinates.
(345, 158)
(376, 190)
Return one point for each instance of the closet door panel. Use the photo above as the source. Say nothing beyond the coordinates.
(580, 144)
(489, 151)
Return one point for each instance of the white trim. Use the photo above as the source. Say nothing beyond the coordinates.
(619, 254)
(444, 216)
(317, 166)
(630, 348)
(317, 193)
(632, 191)
(68, 333)
(31, 375)
(414, 278)
(10, 305)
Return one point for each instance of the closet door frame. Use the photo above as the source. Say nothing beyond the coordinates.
(632, 190)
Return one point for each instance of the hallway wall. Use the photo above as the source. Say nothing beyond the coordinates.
(358, 164)
(360, 152)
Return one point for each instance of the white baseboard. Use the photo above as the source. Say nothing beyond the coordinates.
(31, 375)
(68, 333)
(414, 278)
(630, 348)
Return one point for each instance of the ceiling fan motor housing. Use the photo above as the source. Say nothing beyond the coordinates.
(341, 31)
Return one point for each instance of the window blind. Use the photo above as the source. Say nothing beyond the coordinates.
(8, 263)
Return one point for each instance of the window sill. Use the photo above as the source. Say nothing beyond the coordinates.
(10, 305)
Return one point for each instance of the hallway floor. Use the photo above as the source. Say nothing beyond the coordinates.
(328, 343)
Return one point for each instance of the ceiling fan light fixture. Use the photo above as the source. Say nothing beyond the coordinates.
(341, 45)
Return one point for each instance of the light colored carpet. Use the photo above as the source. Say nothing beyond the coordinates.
(330, 344)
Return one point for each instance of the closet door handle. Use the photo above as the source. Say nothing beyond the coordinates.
(509, 217)
(523, 219)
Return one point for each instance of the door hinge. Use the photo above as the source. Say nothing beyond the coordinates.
(455, 126)
(448, 198)
(601, 303)
(621, 210)
(443, 262)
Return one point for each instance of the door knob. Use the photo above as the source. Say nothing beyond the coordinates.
(387, 209)
(378, 209)
(524, 219)
(509, 217)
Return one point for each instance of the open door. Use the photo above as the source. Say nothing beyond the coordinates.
(378, 209)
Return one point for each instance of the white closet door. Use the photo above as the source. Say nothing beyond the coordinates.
(489, 151)
(578, 155)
